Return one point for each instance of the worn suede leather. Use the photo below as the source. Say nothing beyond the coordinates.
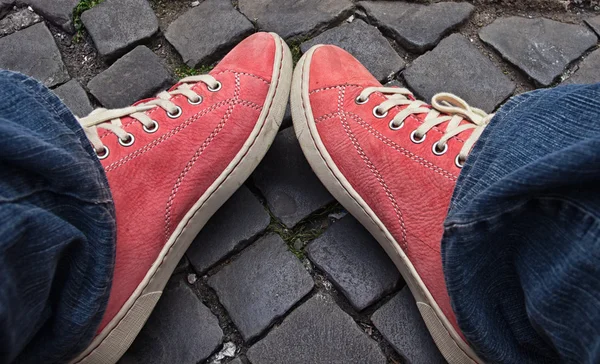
(156, 181)
(405, 184)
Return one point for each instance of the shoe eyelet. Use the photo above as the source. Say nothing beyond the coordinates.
(394, 126)
(360, 101)
(377, 114)
(128, 142)
(459, 161)
(104, 154)
(216, 88)
(176, 114)
(415, 140)
(152, 129)
(198, 102)
(435, 150)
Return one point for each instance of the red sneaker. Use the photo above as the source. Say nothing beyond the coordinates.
(392, 162)
(171, 162)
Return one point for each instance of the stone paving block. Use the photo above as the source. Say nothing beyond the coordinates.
(18, 20)
(457, 66)
(293, 18)
(589, 70)
(364, 42)
(541, 48)
(137, 75)
(355, 262)
(400, 323)
(594, 23)
(235, 224)
(182, 266)
(117, 26)
(201, 40)
(261, 285)
(75, 97)
(180, 330)
(57, 12)
(5, 7)
(32, 51)
(318, 332)
(415, 26)
(288, 183)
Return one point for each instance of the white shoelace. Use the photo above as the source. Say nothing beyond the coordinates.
(445, 107)
(111, 119)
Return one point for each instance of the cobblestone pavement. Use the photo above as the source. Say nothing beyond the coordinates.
(281, 274)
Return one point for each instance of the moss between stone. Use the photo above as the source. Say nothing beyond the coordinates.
(305, 231)
(295, 48)
(185, 71)
(79, 9)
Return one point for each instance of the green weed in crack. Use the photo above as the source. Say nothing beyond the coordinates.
(79, 9)
(305, 231)
(185, 71)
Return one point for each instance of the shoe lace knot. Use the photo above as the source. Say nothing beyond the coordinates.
(445, 107)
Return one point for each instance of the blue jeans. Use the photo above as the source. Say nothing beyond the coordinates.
(521, 250)
(57, 228)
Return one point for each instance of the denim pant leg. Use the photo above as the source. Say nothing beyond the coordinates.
(57, 228)
(521, 247)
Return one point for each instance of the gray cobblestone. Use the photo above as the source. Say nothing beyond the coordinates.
(32, 51)
(75, 97)
(18, 20)
(234, 225)
(415, 26)
(366, 43)
(317, 332)
(58, 12)
(292, 18)
(288, 183)
(117, 26)
(261, 285)
(180, 330)
(457, 66)
(594, 23)
(262, 288)
(589, 70)
(400, 322)
(200, 40)
(540, 47)
(118, 86)
(355, 262)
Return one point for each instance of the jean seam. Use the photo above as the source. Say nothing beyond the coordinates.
(587, 213)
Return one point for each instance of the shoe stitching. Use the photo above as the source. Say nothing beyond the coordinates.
(191, 162)
(372, 167)
(333, 87)
(164, 137)
(422, 161)
(245, 74)
(180, 127)
(345, 190)
(187, 223)
(133, 121)
(342, 187)
(380, 95)
(327, 116)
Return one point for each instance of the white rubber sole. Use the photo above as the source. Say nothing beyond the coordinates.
(118, 335)
(451, 345)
